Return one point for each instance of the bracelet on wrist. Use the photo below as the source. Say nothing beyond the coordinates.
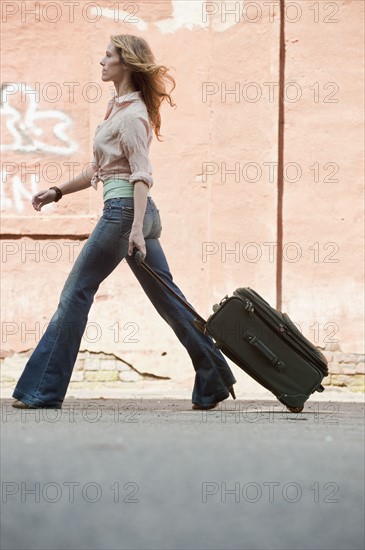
(58, 193)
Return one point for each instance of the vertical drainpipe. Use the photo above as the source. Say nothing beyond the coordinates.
(280, 176)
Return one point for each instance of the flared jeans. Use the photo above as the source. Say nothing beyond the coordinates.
(47, 373)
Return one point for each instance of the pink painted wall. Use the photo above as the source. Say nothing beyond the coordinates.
(219, 230)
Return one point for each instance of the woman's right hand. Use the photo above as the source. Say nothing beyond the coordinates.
(43, 197)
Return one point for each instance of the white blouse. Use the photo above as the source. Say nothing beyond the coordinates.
(122, 141)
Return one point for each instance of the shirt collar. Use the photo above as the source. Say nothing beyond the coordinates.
(132, 96)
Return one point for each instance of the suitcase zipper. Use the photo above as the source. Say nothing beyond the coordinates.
(290, 338)
(285, 331)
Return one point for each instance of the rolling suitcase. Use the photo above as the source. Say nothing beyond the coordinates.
(263, 342)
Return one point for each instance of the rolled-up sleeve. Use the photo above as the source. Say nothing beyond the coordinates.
(135, 138)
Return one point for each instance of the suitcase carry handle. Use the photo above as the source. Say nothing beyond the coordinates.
(199, 321)
(266, 352)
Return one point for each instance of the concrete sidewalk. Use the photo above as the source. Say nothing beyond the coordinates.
(151, 474)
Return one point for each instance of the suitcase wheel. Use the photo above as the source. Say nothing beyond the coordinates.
(295, 409)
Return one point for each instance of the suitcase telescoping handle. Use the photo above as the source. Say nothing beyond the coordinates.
(265, 351)
(199, 321)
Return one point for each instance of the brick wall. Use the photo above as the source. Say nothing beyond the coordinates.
(216, 179)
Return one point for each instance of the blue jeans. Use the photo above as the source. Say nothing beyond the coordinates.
(47, 373)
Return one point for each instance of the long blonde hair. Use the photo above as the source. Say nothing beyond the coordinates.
(146, 75)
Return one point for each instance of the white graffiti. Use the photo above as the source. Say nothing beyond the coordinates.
(186, 14)
(20, 193)
(24, 127)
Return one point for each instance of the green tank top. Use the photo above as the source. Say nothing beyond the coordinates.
(115, 188)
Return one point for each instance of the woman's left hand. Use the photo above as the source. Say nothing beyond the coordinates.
(136, 240)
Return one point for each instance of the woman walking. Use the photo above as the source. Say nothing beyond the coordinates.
(130, 220)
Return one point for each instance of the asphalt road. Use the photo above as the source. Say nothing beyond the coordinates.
(153, 474)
